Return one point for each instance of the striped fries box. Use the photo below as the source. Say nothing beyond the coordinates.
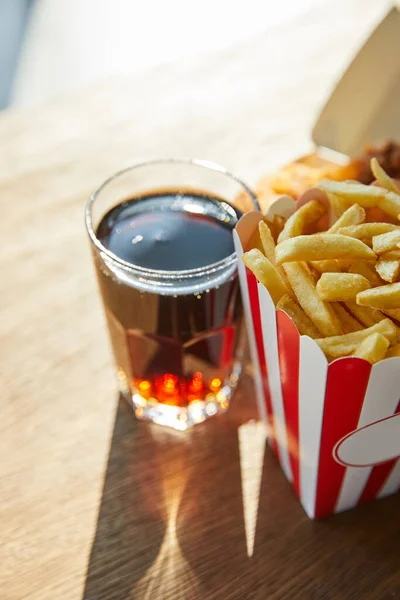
(335, 428)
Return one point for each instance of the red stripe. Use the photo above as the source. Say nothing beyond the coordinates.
(227, 347)
(345, 390)
(255, 311)
(378, 477)
(289, 357)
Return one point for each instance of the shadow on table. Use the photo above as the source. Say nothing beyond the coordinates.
(170, 523)
(130, 524)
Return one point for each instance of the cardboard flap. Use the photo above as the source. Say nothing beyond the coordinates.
(365, 105)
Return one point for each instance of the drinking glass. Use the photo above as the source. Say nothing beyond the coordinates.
(176, 332)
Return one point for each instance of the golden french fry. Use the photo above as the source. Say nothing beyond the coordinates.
(268, 246)
(338, 205)
(341, 287)
(314, 274)
(392, 255)
(373, 348)
(303, 323)
(266, 273)
(332, 265)
(386, 242)
(320, 312)
(326, 266)
(338, 276)
(267, 241)
(364, 314)
(344, 345)
(383, 297)
(389, 203)
(388, 270)
(393, 313)
(321, 246)
(305, 216)
(382, 177)
(393, 351)
(352, 216)
(366, 196)
(377, 215)
(366, 231)
(367, 271)
(276, 224)
(349, 323)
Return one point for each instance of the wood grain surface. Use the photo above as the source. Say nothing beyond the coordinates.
(94, 506)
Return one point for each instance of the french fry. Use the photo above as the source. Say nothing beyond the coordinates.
(303, 323)
(268, 247)
(276, 223)
(332, 265)
(377, 215)
(393, 313)
(344, 345)
(266, 273)
(305, 216)
(267, 241)
(366, 231)
(354, 215)
(393, 351)
(392, 255)
(341, 287)
(386, 241)
(320, 312)
(348, 322)
(366, 196)
(366, 315)
(326, 266)
(388, 270)
(382, 177)
(313, 272)
(338, 205)
(373, 348)
(322, 246)
(390, 203)
(383, 297)
(367, 271)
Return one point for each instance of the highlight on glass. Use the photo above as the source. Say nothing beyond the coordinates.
(161, 238)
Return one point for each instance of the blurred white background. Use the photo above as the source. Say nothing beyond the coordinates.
(71, 43)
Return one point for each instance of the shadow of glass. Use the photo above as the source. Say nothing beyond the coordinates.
(171, 508)
(130, 523)
(211, 528)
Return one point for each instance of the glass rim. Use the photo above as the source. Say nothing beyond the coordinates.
(158, 273)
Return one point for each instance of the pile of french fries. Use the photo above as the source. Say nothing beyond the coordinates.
(340, 285)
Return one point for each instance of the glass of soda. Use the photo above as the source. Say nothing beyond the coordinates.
(161, 238)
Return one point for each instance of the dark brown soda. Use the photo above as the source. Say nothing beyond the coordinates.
(172, 346)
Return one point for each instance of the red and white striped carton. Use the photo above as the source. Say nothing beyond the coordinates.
(335, 428)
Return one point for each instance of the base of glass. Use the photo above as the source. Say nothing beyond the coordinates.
(178, 417)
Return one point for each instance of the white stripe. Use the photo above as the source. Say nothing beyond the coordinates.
(262, 410)
(392, 483)
(268, 320)
(381, 400)
(312, 384)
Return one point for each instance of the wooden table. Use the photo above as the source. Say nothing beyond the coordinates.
(92, 504)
